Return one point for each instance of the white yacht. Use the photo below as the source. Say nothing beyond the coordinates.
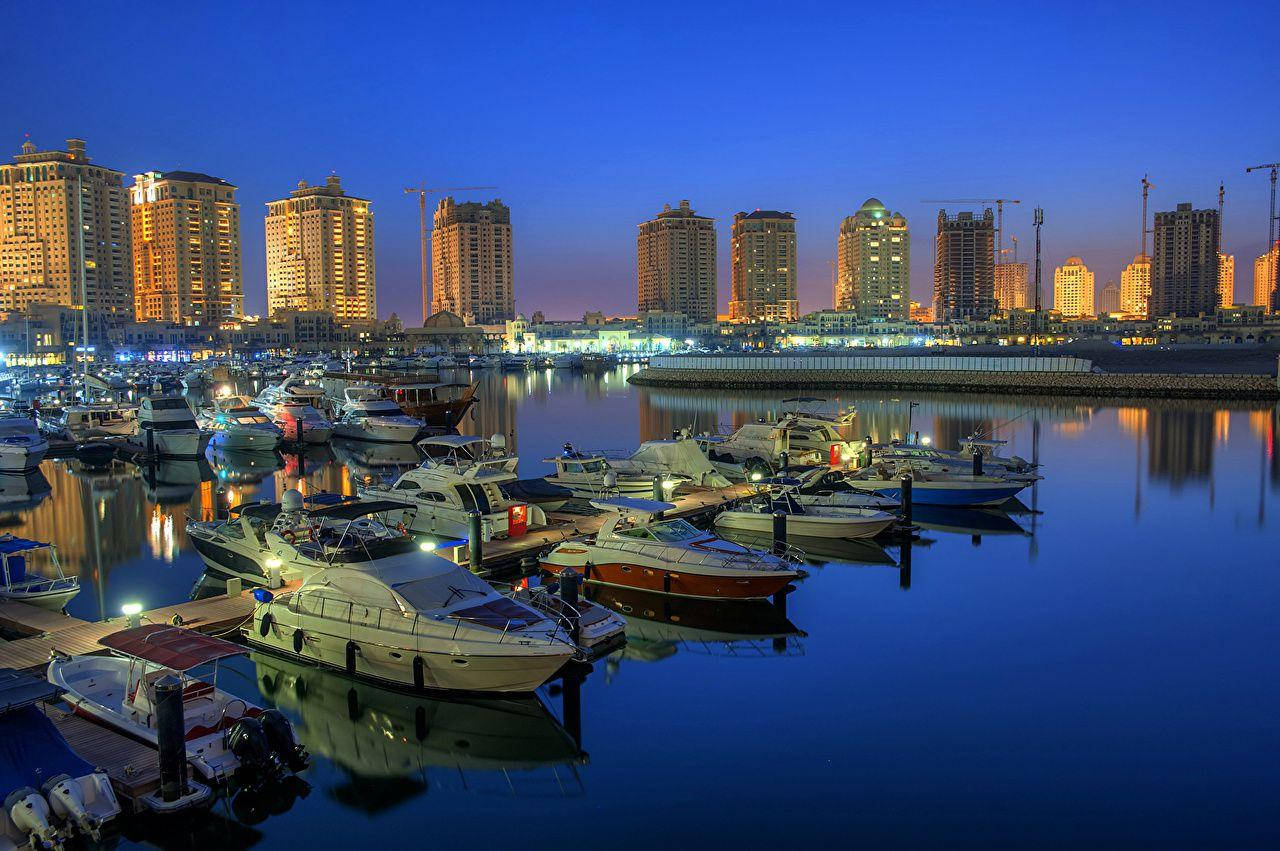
(22, 447)
(810, 521)
(679, 458)
(238, 424)
(461, 474)
(292, 389)
(31, 573)
(588, 475)
(85, 422)
(368, 415)
(301, 422)
(167, 428)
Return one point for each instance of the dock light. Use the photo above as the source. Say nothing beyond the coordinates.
(925, 440)
(757, 476)
(427, 547)
(273, 563)
(132, 613)
(669, 484)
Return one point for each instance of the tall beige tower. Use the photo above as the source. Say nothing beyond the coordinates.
(873, 263)
(1073, 289)
(320, 253)
(39, 248)
(471, 263)
(1264, 278)
(1011, 286)
(1135, 286)
(763, 267)
(186, 248)
(1226, 279)
(676, 264)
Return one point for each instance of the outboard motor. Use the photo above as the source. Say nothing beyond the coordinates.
(29, 812)
(67, 801)
(281, 740)
(247, 740)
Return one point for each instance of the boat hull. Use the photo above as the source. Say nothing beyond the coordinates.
(258, 440)
(810, 527)
(939, 493)
(680, 583)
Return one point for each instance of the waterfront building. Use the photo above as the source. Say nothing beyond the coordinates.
(320, 252)
(873, 263)
(1135, 286)
(1011, 288)
(676, 264)
(186, 248)
(1264, 278)
(763, 267)
(1184, 264)
(1073, 289)
(472, 266)
(1108, 300)
(39, 248)
(918, 312)
(964, 269)
(1226, 279)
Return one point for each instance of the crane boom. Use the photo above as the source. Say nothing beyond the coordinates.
(1271, 226)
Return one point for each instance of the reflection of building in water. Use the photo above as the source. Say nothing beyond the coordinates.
(1132, 421)
(495, 412)
(1221, 426)
(1180, 444)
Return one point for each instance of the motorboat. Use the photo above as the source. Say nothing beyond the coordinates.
(810, 521)
(439, 405)
(930, 459)
(85, 422)
(678, 458)
(827, 487)
(166, 427)
(599, 630)
(516, 362)
(22, 447)
(537, 492)
(588, 474)
(483, 362)
(51, 795)
(422, 623)
(31, 573)
(301, 422)
(636, 548)
(238, 424)
(762, 447)
(937, 489)
(368, 415)
(224, 733)
(461, 474)
(292, 389)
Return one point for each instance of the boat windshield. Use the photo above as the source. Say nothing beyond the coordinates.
(673, 531)
(252, 419)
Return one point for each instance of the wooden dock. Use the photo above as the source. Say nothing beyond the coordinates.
(132, 766)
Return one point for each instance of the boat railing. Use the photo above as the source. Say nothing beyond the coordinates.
(42, 584)
(690, 557)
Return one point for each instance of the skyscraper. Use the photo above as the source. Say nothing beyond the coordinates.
(1011, 286)
(964, 269)
(676, 264)
(1264, 278)
(40, 214)
(186, 248)
(1108, 299)
(1184, 264)
(1135, 286)
(1226, 279)
(1073, 289)
(873, 263)
(472, 266)
(320, 252)
(763, 266)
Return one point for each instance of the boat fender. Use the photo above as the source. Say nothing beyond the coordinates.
(266, 624)
(586, 572)
(419, 673)
(297, 641)
(352, 650)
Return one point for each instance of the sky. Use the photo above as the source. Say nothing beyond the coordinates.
(589, 117)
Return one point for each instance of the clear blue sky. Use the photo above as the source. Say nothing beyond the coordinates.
(589, 117)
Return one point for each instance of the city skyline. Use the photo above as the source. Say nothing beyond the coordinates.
(561, 134)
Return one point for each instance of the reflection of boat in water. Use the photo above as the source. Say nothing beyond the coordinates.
(659, 624)
(18, 493)
(967, 521)
(384, 737)
(372, 462)
(243, 466)
(174, 481)
(817, 550)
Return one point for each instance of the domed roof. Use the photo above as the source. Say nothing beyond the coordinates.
(871, 204)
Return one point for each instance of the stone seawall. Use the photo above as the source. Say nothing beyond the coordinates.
(1128, 385)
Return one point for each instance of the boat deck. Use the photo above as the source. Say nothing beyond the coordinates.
(133, 767)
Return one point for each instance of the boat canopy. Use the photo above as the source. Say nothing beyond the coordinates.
(632, 505)
(32, 750)
(9, 545)
(341, 508)
(170, 646)
(453, 441)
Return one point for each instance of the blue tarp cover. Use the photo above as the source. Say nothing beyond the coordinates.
(32, 750)
(19, 545)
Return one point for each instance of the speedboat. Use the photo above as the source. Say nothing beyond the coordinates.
(635, 548)
(422, 622)
(31, 573)
(368, 415)
(22, 447)
(516, 362)
(238, 424)
(167, 428)
(51, 795)
(930, 459)
(119, 692)
(301, 422)
(85, 422)
(292, 389)
(810, 521)
(937, 488)
(599, 630)
(678, 458)
(588, 475)
(461, 474)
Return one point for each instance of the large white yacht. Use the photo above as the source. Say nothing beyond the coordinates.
(22, 447)
(237, 423)
(368, 415)
(461, 474)
(292, 389)
(167, 428)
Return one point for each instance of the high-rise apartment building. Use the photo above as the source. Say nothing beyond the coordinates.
(471, 261)
(1226, 279)
(1264, 278)
(186, 248)
(320, 252)
(1184, 262)
(40, 217)
(873, 264)
(1135, 286)
(1011, 286)
(964, 269)
(1108, 299)
(763, 267)
(676, 264)
(1073, 289)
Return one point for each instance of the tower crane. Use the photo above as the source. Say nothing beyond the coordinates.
(1271, 224)
(999, 202)
(422, 191)
(1147, 186)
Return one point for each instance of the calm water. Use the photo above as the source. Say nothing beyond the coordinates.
(1100, 671)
